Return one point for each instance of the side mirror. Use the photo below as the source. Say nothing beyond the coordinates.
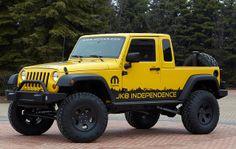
(133, 57)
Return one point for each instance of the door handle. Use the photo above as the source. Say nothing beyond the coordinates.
(155, 69)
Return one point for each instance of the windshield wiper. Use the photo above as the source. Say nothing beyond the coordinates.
(77, 56)
(97, 56)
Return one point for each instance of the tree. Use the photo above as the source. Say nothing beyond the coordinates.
(171, 17)
(34, 31)
(203, 25)
(8, 30)
(228, 41)
(43, 26)
(130, 15)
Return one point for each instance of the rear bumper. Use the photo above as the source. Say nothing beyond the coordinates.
(33, 98)
(223, 93)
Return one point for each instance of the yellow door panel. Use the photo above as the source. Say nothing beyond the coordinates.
(141, 77)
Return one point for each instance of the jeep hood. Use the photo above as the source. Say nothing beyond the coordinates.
(75, 65)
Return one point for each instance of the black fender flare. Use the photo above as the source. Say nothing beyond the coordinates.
(66, 80)
(13, 79)
(192, 82)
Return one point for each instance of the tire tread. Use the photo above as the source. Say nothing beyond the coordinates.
(188, 119)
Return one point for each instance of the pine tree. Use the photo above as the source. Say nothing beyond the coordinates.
(229, 44)
(203, 23)
(8, 30)
(43, 26)
(171, 17)
(34, 31)
(130, 15)
(7, 25)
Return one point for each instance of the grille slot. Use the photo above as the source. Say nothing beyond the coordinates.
(42, 76)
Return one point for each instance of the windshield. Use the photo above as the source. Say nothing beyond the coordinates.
(108, 47)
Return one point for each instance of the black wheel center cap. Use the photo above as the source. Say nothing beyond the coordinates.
(84, 118)
(205, 114)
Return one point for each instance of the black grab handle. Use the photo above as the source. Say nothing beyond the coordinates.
(155, 69)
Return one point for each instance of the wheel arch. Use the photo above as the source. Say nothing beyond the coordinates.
(200, 82)
(13, 79)
(87, 83)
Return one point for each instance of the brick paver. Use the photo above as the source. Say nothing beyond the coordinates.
(120, 135)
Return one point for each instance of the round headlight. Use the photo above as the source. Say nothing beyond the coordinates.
(23, 75)
(55, 76)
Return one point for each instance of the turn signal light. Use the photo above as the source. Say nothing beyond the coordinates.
(54, 86)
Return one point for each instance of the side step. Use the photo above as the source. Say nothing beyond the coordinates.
(124, 106)
(151, 103)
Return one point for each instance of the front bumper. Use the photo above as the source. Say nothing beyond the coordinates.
(33, 98)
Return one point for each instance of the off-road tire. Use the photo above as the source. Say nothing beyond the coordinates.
(203, 59)
(25, 124)
(200, 113)
(69, 119)
(141, 120)
(206, 60)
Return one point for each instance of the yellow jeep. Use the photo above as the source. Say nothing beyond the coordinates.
(126, 73)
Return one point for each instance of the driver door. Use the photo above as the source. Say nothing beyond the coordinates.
(143, 76)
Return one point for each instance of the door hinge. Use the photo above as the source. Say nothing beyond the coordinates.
(124, 73)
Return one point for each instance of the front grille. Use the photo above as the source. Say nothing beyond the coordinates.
(42, 76)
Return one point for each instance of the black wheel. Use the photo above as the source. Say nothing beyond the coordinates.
(25, 124)
(203, 59)
(200, 113)
(82, 117)
(141, 120)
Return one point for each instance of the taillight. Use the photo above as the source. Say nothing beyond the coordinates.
(216, 73)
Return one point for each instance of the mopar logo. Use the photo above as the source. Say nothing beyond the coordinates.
(114, 80)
